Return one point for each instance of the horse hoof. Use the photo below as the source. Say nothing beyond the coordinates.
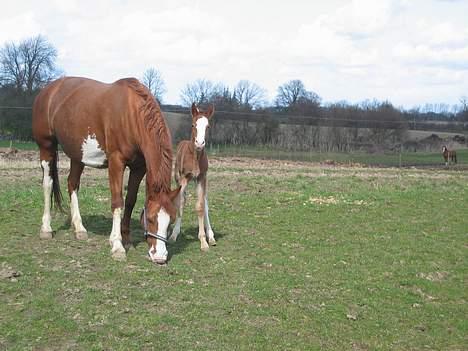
(172, 239)
(127, 246)
(212, 242)
(119, 256)
(81, 235)
(45, 235)
(205, 248)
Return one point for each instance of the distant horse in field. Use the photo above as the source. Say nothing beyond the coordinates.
(192, 163)
(449, 155)
(107, 126)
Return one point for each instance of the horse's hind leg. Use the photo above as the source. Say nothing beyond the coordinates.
(76, 168)
(47, 154)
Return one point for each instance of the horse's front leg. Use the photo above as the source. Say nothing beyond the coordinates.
(116, 170)
(200, 208)
(180, 210)
(134, 180)
(209, 230)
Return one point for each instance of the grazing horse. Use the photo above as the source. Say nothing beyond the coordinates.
(449, 155)
(192, 163)
(107, 126)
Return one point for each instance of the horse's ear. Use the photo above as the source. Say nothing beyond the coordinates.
(195, 110)
(210, 111)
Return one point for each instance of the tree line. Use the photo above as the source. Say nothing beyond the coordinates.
(244, 114)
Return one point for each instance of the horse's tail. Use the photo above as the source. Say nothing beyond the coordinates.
(56, 195)
(455, 157)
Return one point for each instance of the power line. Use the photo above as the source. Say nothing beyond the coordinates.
(15, 108)
(314, 118)
(295, 117)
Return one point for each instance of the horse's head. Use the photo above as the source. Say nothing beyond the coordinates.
(444, 148)
(200, 123)
(160, 210)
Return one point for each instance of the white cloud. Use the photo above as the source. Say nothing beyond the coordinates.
(342, 49)
(363, 18)
(19, 27)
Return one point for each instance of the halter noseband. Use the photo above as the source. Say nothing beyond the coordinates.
(147, 233)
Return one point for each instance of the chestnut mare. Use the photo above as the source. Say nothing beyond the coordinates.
(192, 163)
(107, 126)
(449, 155)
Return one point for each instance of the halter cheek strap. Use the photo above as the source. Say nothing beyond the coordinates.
(148, 233)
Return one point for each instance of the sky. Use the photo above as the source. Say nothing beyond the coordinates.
(410, 52)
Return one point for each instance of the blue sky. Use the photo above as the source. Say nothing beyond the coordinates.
(411, 52)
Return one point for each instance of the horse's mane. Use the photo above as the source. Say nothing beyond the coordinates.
(154, 121)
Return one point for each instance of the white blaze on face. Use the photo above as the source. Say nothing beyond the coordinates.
(163, 223)
(93, 155)
(201, 125)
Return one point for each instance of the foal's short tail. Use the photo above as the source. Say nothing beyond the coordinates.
(56, 193)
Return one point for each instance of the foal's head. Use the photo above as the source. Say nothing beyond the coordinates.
(444, 148)
(200, 123)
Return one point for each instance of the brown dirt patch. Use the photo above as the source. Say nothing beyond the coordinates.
(22, 163)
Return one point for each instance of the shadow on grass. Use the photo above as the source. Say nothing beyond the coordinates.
(102, 225)
(188, 236)
(95, 224)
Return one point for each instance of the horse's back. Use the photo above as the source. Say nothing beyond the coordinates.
(60, 95)
(77, 95)
(80, 112)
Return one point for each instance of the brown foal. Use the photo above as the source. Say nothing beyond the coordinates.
(192, 163)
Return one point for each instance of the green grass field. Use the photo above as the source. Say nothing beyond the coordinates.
(308, 258)
(405, 159)
(20, 145)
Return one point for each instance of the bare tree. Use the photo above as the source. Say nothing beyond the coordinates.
(152, 78)
(223, 99)
(464, 108)
(28, 65)
(12, 72)
(249, 95)
(294, 97)
(290, 92)
(201, 92)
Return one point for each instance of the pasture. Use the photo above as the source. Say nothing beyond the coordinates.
(309, 257)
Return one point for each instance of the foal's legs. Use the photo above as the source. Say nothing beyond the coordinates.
(200, 208)
(76, 168)
(180, 212)
(134, 180)
(209, 230)
(116, 170)
(47, 154)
